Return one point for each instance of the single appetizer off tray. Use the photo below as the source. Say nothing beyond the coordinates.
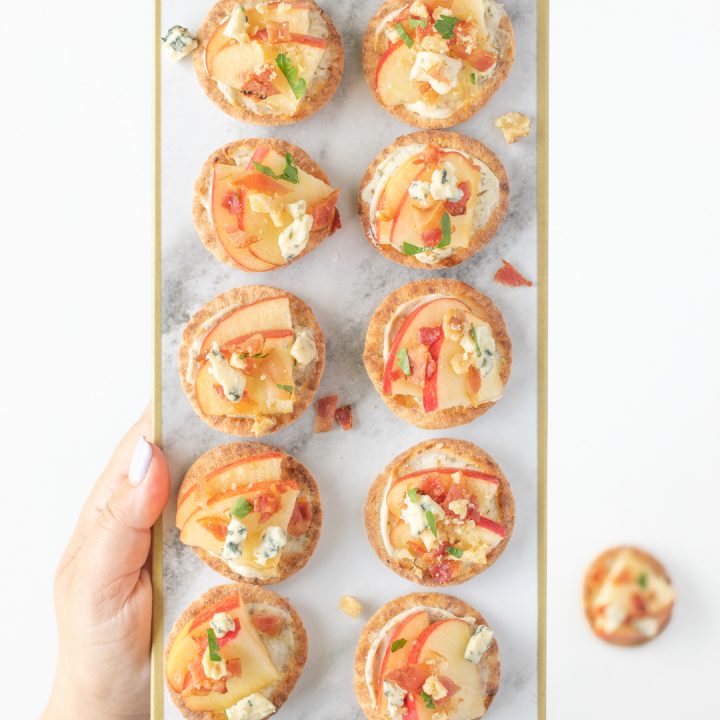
(261, 204)
(235, 653)
(434, 63)
(440, 512)
(628, 595)
(426, 656)
(438, 353)
(250, 512)
(251, 360)
(268, 63)
(433, 199)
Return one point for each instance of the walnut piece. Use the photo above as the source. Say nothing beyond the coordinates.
(514, 125)
(350, 606)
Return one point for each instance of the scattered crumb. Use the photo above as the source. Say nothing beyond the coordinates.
(325, 413)
(514, 125)
(263, 424)
(509, 275)
(350, 606)
(344, 418)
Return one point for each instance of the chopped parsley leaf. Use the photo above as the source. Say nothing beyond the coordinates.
(286, 388)
(418, 22)
(289, 173)
(412, 494)
(213, 646)
(403, 35)
(429, 702)
(241, 508)
(397, 644)
(445, 25)
(446, 230)
(431, 522)
(297, 85)
(454, 551)
(473, 78)
(643, 580)
(403, 361)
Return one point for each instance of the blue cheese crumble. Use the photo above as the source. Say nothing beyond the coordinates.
(271, 543)
(234, 540)
(252, 707)
(178, 42)
(478, 644)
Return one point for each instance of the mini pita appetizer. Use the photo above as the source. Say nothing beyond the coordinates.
(250, 512)
(235, 653)
(426, 656)
(433, 199)
(438, 353)
(251, 360)
(434, 63)
(629, 597)
(260, 204)
(440, 513)
(268, 63)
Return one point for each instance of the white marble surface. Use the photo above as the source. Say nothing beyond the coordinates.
(343, 281)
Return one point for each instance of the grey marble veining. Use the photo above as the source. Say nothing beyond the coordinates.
(344, 280)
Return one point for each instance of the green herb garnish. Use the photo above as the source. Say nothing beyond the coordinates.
(289, 173)
(259, 356)
(412, 494)
(286, 388)
(431, 522)
(409, 249)
(213, 646)
(643, 581)
(446, 230)
(473, 332)
(454, 551)
(429, 702)
(241, 508)
(418, 22)
(403, 361)
(398, 644)
(445, 25)
(297, 85)
(403, 35)
(473, 78)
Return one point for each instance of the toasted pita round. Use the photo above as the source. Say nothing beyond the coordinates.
(251, 594)
(458, 448)
(374, 50)
(442, 139)
(625, 635)
(490, 662)
(226, 155)
(319, 91)
(307, 377)
(479, 304)
(292, 558)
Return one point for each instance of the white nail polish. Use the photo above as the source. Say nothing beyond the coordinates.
(140, 461)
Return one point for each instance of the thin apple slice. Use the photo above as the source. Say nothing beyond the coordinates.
(297, 16)
(465, 171)
(392, 77)
(451, 388)
(258, 670)
(267, 250)
(394, 199)
(427, 315)
(217, 42)
(247, 261)
(270, 314)
(468, 473)
(448, 639)
(408, 630)
(235, 62)
(257, 469)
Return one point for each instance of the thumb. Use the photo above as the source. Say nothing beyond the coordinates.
(118, 542)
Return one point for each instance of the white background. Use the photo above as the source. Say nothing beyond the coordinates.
(635, 261)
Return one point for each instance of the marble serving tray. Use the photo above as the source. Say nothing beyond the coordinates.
(343, 281)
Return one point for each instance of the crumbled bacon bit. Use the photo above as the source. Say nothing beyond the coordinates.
(344, 418)
(410, 677)
(301, 518)
(441, 571)
(325, 408)
(429, 335)
(509, 275)
(459, 207)
(268, 624)
(336, 222)
(260, 85)
(233, 202)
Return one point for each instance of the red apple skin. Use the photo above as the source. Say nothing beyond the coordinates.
(241, 461)
(487, 523)
(430, 393)
(450, 471)
(258, 156)
(383, 58)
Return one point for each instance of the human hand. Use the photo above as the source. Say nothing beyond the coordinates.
(103, 594)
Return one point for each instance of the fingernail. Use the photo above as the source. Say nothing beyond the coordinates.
(140, 461)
